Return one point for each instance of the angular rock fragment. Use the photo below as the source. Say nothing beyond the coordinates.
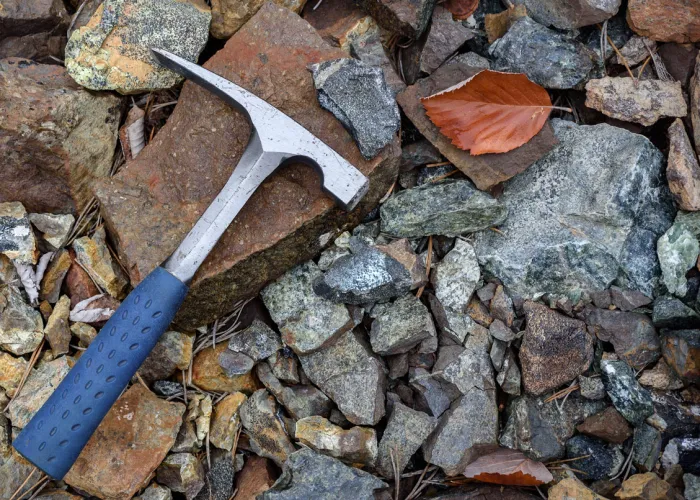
(683, 451)
(79, 286)
(471, 370)
(93, 255)
(307, 474)
(643, 101)
(57, 331)
(17, 240)
(567, 15)
(433, 396)
(111, 52)
(661, 377)
(599, 461)
(548, 199)
(633, 335)
(406, 17)
(172, 352)
(631, 400)
(219, 479)
(11, 371)
(678, 251)
(40, 47)
(509, 377)
(258, 341)
(57, 143)
(368, 48)
(445, 36)
(607, 425)
(258, 475)
(57, 270)
(300, 401)
(568, 64)
(339, 22)
(285, 365)
(399, 327)
(402, 251)
(54, 228)
(128, 445)
(405, 432)
(264, 240)
(14, 470)
(449, 208)
(358, 96)
(155, 492)
(665, 21)
(207, 374)
(670, 312)
(225, 421)
(646, 447)
(21, 327)
(456, 276)
(646, 486)
(306, 321)
(20, 18)
(681, 350)
(235, 363)
(628, 300)
(355, 445)
(353, 378)
(268, 438)
(451, 324)
(182, 472)
(555, 349)
(591, 387)
(227, 16)
(635, 51)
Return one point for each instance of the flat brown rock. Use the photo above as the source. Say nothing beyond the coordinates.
(484, 170)
(665, 20)
(683, 170)
(607, 425)
(694, 92)
(338, 21)
(155, 200)
(128, 445)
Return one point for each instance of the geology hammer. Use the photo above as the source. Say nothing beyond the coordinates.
(55, 436)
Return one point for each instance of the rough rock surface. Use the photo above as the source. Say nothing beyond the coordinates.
(445, 36)
(548, 58)
(399, 327)
(94, 256)
(112, 51)
(11, 372)
(600, 461)
(227, 16)
(607, 425)
(572, 488)
(54, 228)
(661, 377)
(17, 240)
(678, 251)
(225, 421)
(448, 208)
(683, 170)
(455, 277)
(643, 101)
(57, 331)
(597, 204)
(207, 374)
(306, 320)
(354, 445)
(407, 17)
(485, 170)
(268, 436)
(20, 18)
(567, 15)
(128, 445)
(282, 223)
(55, 139)
(665, 21)
(358, 96)
(681, 350)
(300, 401)
(13, 471)
(21, 327)
(183, 473)
(258, 341)
(307, 474)
(172, 352)
(670, 312)
(367, 46)
(631, 400)
(555, 349)
(353, 378)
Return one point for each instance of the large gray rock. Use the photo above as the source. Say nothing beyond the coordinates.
(21, 327)
(455, 277)
(448, 208)
(548, 58)
(353, 378)
(358, 96)
(570, 14)
(678, 252)
(307, 474)
(585, 216)
(631, 399)
(399, 327)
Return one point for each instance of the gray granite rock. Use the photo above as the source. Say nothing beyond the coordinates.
(570, 14)
(260, 419)
(432, 395)
(500, 331)
(599, 462)
(692, 486)
(167, 388)
(498, 353)
(348, 374)
(678, 251)
(596, 204)
(399, 327)
(406, 17)
(307, 474)
(670, 312)
(451, 324)
(547, 57)
(471, 370)
(54, 228)
(405, 432)
(591, 387)
(258, 341)
(21, 326)
(540, 429)
(455, 277)
(235, 363)
(448, 208)
(16, 236)
(368, 48)
(509, 377)
(646, 447)
(445, 36)
(358, 96)
(306, 321)
(365, 276)
(285, 365)
(631, 399)
(300, 400)
(155, 492)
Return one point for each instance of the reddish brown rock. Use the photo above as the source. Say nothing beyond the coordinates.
(607, 425)
(129, 444)
(54, 276)
(338, 21)
(151, 205)
(21, 17)
(694, 92)
(78, 283)
(665, 20)
(681, 350)
(683, 170)
(207, 374)
(38, 46)
(257, 476)
(54, 138)
(484, 170)
(679, 60)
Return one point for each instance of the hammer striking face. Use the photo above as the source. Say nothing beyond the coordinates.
(57, 433)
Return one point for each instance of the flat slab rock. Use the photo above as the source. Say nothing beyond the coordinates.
(484, 170)
(666, 20)
(570, 14)
(596, 205)
(178, 174)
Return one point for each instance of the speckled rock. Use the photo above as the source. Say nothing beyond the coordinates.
(633, 335)
(300, 401)
(219, 479)
(555, 349)
(607, 425)
(52, 281)
(399, 327)
(572, 488)
(348, 374)
(21, 326)
(268, 437)
(643, 101)
(11, 372)
(665, 21)
(591, 387)
(155, 492)
(646, 447)
(225, 421)
(635, 51)
(406, 17)
(455, 277)
(365, 276)
(94, 256)
(306, 321)
(258, 341)
(358, 96)
(16, 236)
(207, 374)
(451, 324)
(448, 208)
(631, 400)
(172, 352)
(678, 251)
(354, 445)
(445, 36)
(235, 363)
(692, 486)
(432, 395)
(600, 461)
(681, 350)
(471, 370)
(182, 472)
(683, 170)
(14, 469)
(54, 228)
(112, 51)
(227, 16)
(567, 15)
(547, 58)
(365, 42)
(683, 451)
(128, 445)
(594, 169)
(661, 377)
(402, 251)
(57, 331)
(509, 376)
(646, 487)
(670, 312)
(285, 365)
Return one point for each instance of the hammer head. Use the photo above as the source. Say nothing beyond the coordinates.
(279, 135)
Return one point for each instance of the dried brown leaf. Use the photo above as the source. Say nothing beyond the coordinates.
(508, 467)
(496, 25)
(491, 112)
(461, 9)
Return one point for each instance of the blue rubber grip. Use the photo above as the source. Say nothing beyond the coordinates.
(56, 435)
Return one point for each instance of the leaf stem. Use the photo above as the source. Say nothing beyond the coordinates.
(560, 108)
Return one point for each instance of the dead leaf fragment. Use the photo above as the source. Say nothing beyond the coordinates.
(496, 25)
(508, 467)
(492, 112)
(461, 9)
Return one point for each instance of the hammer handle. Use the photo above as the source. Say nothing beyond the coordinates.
(61, 428)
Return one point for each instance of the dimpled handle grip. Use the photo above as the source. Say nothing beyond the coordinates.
(55, 436)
